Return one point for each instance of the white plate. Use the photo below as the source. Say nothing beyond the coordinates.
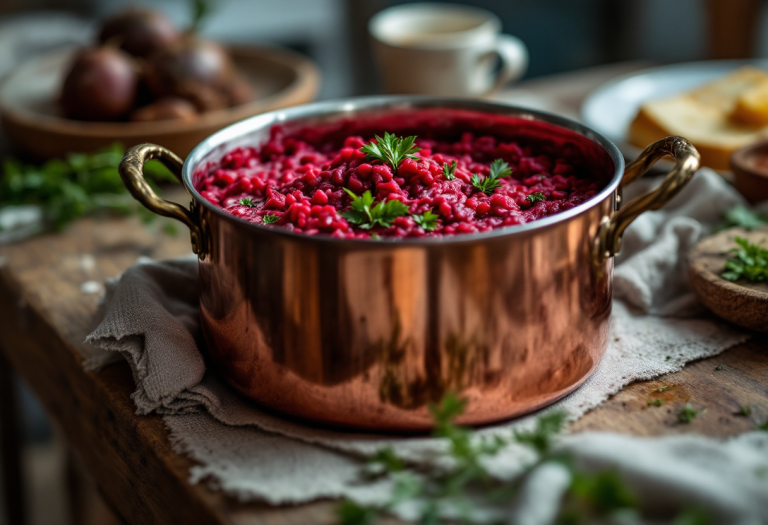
(609, 109)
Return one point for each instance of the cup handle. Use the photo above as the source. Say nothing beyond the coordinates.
(608, 240)
(131, 170)
(514, 60)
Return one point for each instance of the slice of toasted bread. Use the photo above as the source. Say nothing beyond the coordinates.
(718, 118)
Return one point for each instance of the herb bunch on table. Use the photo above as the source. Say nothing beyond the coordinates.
(81, 184)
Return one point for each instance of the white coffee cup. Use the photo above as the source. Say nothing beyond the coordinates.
(444, 49)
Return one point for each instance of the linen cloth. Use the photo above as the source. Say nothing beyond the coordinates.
(151, 319)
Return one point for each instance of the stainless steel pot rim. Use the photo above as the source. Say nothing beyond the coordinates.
(348, 107)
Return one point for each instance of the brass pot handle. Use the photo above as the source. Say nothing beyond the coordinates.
(132, 172)
(608, 241)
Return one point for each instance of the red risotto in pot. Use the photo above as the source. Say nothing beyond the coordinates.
(395, 186)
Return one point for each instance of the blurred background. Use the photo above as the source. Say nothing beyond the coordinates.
(561, 36)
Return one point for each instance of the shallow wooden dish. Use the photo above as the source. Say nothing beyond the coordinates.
(742, 303)
(33, 125)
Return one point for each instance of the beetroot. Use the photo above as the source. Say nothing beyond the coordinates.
(197, 70)
(140, 32)
(166, 109)
(101, 85)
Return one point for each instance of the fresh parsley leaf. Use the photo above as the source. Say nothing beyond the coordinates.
(350, 513)
(540, 438)
(719, 367)
(270, 219)
(692, 517)
(386, 460)
(655, 403)
(661, 389)
(742, 216)
(535, 197)
(449, 171)
(500, 169)
(688, 413)
(744, 411)
(604, 491)
(78, 185)
(391, 149)
(488, 185)
(427, 220)
(366, 217)
(445, 412)
(749, 262)
(245, 201)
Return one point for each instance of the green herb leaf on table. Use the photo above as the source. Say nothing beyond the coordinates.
(603, 491)
(744, 411)
(693, 517)
(655, 403)
(439, 490)
(750, 262)
(540, 438)
(498, 169)
(366, 216)
(427, 220)
(449, 170)
(742, 216)
(719, 367)
(661, 388)
(688, 413)
(350, 513)
(245, 201)
(270, 219)
(80, 184)
(391, 149)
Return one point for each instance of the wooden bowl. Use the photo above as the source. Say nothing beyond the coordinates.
(32, 122)
(750, 171)
(742, 303)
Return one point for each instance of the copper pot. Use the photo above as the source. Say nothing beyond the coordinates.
(366, 334)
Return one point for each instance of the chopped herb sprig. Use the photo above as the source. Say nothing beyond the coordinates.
(438, 492)
(245, 201)
(742, 216)
(78, 185)
(365, 215)
(427, 220)
(487, 185)
(391, 149)
(535, 197)
(749, 262)
(271, 219)
(449, 170)
(688, 413)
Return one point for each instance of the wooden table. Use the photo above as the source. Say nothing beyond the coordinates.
(45, 317)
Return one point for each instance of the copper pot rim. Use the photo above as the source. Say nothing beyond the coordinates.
(348, 107)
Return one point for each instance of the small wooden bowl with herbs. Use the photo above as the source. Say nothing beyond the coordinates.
(729, 274)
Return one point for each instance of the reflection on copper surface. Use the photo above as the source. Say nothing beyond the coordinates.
(368, 335)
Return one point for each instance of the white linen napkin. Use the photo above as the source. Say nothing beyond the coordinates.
(150, 317)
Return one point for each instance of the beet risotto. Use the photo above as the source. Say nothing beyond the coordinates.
(388, 185)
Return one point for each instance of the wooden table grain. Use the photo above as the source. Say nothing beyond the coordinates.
(46, 315)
